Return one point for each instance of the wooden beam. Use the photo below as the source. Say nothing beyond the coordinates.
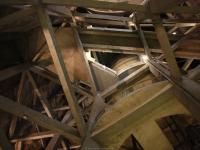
(54, 141)
(194, 74)
(16, 16)
(4, 142)
(104, 5)
(43, 100)
(166, 47)
(126, 80)
(187, 64)
(12, 71)
(45, 73)
(60, 66)
(31, 115)
(19, 100)
(86, 35)
(85, 60)
(187, 91)
(188, 35)
(18, 145)
(82, 3)
(35, 136)
(99, 16)
(157, 6)
(185, 53)
(54, 78)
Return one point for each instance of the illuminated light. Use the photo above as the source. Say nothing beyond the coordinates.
(89, 27)
(131, 23)
(131, 16)
(88, 56)
(144, 58)
(174, 33)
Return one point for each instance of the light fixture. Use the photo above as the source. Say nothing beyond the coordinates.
(89, 27)
(144, 58)
(174, 33)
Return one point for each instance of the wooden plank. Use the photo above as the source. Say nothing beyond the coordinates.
(60, 67)
(12, 71)
(113, 49)
(19, 100)
(43, 100)
(31, 115)
(45, 73)
(145, 44)
(54, 141)
(35, 136)
(166, 47)
(97, 32)
(18, 145)
(4, 142)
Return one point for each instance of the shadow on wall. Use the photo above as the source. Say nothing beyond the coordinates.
(182, 131)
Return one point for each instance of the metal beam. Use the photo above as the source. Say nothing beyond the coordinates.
(31, 115)
(60, 66)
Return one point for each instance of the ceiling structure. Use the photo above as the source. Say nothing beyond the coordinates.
(88, 74)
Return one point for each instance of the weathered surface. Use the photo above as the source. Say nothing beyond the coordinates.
(142, 106)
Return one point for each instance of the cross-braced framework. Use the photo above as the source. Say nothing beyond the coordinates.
(71, 100)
